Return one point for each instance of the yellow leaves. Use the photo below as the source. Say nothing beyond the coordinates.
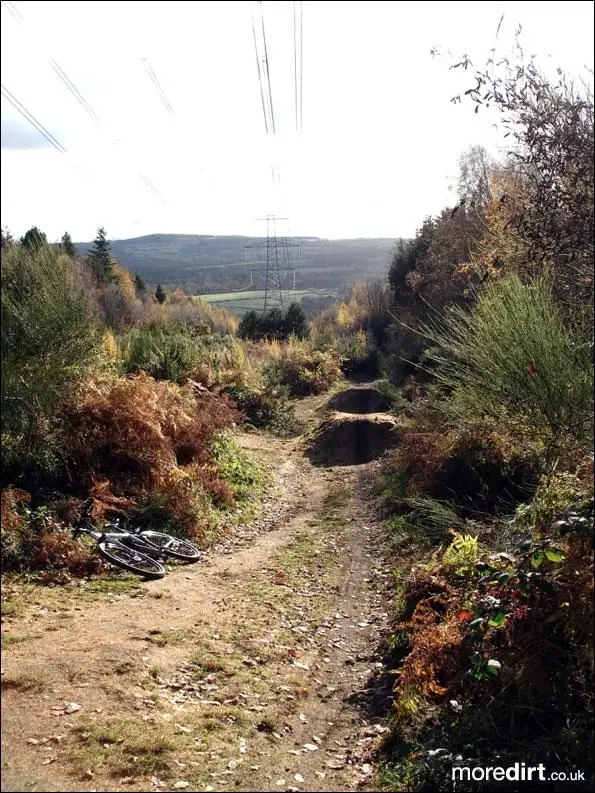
(125, 282)
(461, 554)
(109, 346)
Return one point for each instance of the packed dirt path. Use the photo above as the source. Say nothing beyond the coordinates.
(251, 670)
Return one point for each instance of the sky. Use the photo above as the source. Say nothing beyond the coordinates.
(379, 142)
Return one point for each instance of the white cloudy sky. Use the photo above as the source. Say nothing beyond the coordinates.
(379, 143)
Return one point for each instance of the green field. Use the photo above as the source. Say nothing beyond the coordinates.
(242, 301)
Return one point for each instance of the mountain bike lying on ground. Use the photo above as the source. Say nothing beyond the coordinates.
(138, 550)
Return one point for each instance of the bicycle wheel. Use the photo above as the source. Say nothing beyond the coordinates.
(171, 546)
(131, 559)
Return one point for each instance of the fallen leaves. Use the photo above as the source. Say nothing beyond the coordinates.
(66, 708)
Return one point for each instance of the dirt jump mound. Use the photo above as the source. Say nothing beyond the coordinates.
(359, 400)
(352, 440)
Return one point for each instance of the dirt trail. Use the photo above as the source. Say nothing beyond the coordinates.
(246, 671)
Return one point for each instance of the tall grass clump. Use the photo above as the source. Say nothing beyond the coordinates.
(48, 345)
(513, 354)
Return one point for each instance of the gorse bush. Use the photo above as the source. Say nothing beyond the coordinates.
(47, 347)
(164, 354)
(303, 371)
(513, 354)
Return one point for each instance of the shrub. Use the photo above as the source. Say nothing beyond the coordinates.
(263, 407)
(12, 526)
(134, 431)
(476, 468)
(359, 355)
(461, 555)
(513, 354)
(179, 504)
(165, 354)
(303, 372)
(33, 539)
(245, 475)
(47, 347)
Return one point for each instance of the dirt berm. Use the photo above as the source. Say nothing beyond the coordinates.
(346, 439)
(359, 400)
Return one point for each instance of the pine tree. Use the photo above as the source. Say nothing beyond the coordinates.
(100, 258)
(249, 326)
(296, 322)
(139, 283)
(160, 294)
(33, 239)
(68, 245)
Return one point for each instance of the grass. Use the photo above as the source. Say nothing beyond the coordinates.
(115, 585)
(124, 667)
(253, 300)
(28, 683)
(258, 294)
(9, 639)
(125, 748)
(208, 666)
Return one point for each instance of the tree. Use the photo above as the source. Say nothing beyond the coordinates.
(296, 323)
(550, 124)
(160, 294)
(139, 283)
(249, 327)
(68, 245)
(473, 186)
(47, 346)
(100, 258)
(5, 239)
(33, 240)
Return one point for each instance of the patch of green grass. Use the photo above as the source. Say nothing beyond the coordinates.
(10, 639)
(207, 666)
(124, 667)
(112, 585)
(10, 607)
(125, 748)
(29, 683)
(403, 775)
(242, 471)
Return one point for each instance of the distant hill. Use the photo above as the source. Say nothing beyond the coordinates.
(207, 264)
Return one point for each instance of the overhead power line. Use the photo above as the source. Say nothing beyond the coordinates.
(11, 8)
(153, 77)
(32, 120)
(260, 83)
(267, 72)
(65, 79)
(74, 91)
(264, 75)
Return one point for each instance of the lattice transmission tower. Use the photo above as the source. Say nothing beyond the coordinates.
(274, 257)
